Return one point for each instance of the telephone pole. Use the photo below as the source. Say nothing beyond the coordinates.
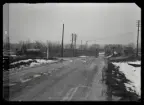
(81, 45)
(75, 43)
(86, 45)
(138, 25)
(6, 28)
(72, 42)
(72, 46)
(47, 50)
(62, 42)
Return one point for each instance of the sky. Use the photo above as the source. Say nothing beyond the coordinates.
(102, 23)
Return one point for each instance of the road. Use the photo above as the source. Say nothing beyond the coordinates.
(73, 80)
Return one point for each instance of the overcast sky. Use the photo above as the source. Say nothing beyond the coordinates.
(106, 23)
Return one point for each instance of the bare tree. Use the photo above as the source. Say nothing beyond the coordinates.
(131, 45)
(40, 45)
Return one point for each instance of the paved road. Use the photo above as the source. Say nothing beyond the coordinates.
(72, 80)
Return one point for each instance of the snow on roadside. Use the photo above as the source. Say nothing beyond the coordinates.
(41, 61)
(109, 56)
(71, 60)
(82, 56)
(133, 74)
(21, 61)
(101, 53)
(34, 62)
(136, 62)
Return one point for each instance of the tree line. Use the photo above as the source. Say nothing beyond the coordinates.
(22, 47)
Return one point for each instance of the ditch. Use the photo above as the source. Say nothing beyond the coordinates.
(116, 89)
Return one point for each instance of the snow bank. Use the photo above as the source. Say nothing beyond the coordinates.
(133, 74)
(41, 61)
(115, 52)
(136, 62)
(109, 56)
(82, 56)
(102, 53)
(21, 61)
(44, 61)
(71, 60)
(33, 63)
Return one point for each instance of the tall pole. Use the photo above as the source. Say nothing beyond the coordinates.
(8, 33)
(75, 43)
(6, 27)
(72, 47)
(6, 44)
(86, 44)
(47, 50)
(138, 36)
(72, 42)
(62, 42)
(81, 45)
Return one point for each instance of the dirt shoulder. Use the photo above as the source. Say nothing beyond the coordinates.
(98, 92)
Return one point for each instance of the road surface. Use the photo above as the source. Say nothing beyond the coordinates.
(77, 79)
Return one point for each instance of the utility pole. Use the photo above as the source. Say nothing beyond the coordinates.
(8, 33)
(75, 43)
(72, 42)
(6, 27)
(86, 44)
(72, 46)
(62, 42)
(47, 50)
(81, 45)
(138, 25)
(86, 47)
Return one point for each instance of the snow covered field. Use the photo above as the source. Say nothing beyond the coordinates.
(133, 74)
